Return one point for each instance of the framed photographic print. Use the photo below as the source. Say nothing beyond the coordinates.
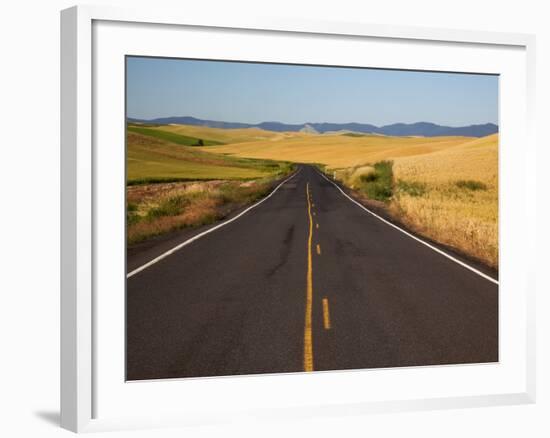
(270, 207)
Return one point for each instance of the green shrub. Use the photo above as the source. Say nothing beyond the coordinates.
(369, 177)
(378, 185)
(169, 207)
(411, 188)
(471, 185)
(131, 213)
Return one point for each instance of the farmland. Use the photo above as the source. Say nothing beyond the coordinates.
(173, 185)
(444, 188)
(458, 203)
(337, 151)
(152, 159)
(220, 136)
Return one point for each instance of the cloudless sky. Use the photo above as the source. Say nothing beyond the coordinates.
(253, 93)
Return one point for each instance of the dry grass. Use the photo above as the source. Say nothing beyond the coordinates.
(455, 218)
(458, 205)
(160, 208)
(351, 177)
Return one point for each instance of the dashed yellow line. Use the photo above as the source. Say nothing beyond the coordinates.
(326, 314)
(308, 337)
(318, 249)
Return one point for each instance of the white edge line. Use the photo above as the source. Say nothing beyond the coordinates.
(210, 230)
(443, 253)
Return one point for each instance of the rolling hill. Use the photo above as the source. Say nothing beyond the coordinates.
(423, 129)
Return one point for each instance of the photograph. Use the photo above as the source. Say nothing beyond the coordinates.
(291, 218)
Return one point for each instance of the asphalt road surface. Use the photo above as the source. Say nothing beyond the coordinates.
(305, 281)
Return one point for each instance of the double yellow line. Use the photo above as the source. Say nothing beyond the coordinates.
(308, 336)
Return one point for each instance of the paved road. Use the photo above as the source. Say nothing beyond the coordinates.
(306, 281)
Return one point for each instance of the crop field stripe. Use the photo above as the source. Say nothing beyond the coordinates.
(172, 136)
(204, 233)
(443, 253)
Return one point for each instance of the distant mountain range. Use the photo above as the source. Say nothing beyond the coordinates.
(424, 129)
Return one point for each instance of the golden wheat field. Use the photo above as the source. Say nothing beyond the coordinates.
(450, 210)
(454, 180)
(336, 151)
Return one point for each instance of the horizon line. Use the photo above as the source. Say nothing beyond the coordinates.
(310, 123)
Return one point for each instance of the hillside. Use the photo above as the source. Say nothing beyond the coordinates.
(151, 159)
(337, 151)
(219, 135)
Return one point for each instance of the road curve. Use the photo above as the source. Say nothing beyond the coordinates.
(238, 300)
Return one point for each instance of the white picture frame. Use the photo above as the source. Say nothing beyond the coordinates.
(80, 167)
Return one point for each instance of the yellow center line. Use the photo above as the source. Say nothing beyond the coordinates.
(318, 249)
(308, 337)
(326, 314)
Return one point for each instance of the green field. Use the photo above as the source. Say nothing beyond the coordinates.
(172, 137)
(151, 159)
(223, 136)
(172, 184)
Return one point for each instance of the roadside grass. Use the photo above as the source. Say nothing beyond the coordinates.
(378, 184)
(351, 177)
(158, 209)
(455, 217)
(169, 206)
(131, 213)
(373, 180)
(171, 136)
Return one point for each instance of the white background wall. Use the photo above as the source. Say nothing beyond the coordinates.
(29, 218)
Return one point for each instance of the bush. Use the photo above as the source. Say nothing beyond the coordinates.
(471, 185)
(369, 177)
(378, 185)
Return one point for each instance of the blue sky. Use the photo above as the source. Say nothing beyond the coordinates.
(253, 93)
